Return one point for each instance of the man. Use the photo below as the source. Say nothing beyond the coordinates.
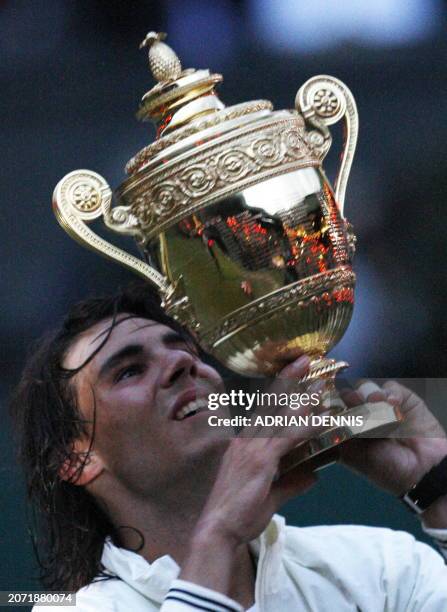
(145, 507)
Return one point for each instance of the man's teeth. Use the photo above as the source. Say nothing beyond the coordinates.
(191, 408)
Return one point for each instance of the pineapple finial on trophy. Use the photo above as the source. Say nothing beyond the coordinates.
(179, 96)
(163, 61)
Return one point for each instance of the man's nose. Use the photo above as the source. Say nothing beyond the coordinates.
(178, 364)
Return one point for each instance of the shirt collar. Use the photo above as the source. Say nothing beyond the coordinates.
(153, 580)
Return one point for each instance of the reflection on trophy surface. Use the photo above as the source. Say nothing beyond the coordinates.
(239, 228)
(271, 265)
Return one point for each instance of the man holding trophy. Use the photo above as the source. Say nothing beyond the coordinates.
(246, 244)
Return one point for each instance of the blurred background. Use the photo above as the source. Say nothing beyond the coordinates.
(71, 78)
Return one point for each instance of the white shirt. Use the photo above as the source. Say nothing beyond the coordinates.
(313, 569)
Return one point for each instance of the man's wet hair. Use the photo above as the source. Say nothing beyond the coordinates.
(67, 527)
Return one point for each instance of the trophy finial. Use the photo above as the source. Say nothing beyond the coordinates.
(163, 61)
(179, 96)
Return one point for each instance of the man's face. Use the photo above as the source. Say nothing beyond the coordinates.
(140, 384)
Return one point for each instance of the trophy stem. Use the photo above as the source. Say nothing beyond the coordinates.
(322, 367)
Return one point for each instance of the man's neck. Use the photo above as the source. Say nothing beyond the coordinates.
(165, 525)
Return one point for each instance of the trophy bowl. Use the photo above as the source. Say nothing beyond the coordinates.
(238, 227)
(266, 271)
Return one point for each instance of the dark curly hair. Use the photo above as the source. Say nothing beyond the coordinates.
(68, 527)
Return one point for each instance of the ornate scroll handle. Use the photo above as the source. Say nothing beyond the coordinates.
(82, 196)
(327, 100)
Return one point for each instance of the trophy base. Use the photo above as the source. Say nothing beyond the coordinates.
(378, 419)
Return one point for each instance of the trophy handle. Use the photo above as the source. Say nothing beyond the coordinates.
(82, 196)
(324, 100)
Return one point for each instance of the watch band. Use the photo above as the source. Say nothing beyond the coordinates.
(431, 487)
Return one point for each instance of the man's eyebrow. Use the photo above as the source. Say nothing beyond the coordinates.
(174, 337)
(130, 350)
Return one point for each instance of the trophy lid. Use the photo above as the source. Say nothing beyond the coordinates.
(182, 103)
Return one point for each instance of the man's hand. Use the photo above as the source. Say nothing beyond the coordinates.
(397, 463)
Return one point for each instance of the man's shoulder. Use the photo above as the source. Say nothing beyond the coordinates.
(349, 535)
(348, 543)
(369, 563)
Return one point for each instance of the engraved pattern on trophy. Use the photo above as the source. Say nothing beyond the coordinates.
(168, 195)
(324, 288)
(86, 198)
(120, 217)
(240, 110)
(85, 192)
(326, 103)
(336, 227)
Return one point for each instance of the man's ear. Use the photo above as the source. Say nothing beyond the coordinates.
(82, 466)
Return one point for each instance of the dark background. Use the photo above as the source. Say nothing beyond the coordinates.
(71, 78)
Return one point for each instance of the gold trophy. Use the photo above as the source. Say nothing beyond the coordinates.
(239, 229)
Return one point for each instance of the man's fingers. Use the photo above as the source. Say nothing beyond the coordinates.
(296, 369)
(399, 395)
(351, 397)
(287, 380)
(369, 391)
(391, 392)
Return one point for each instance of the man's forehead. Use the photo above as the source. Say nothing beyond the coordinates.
(125, 325)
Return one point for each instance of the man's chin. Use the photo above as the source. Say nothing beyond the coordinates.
(210, 444)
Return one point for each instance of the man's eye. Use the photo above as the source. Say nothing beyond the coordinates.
(128, 372)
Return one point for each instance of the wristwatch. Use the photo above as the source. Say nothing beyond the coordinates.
(431, 487)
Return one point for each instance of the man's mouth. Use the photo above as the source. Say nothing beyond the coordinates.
(191, 408)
